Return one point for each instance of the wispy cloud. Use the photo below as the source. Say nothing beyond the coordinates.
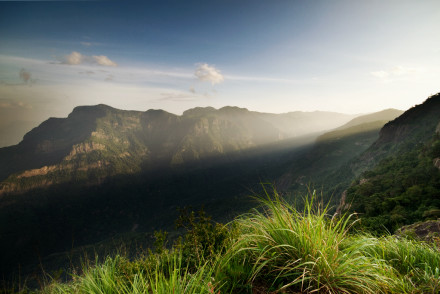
(394, 72)
(381, 74)
(401, 70)
(176, 97)
(10, 104)
(260, 79)
(104, 60)
(76, 58)
(208, 73)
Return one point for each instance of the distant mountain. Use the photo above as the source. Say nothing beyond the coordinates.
(95, 142)
(384, 115)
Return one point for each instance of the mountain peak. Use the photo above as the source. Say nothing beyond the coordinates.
(233, 110)
(199, 111)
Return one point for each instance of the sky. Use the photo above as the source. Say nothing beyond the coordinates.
(270, 56)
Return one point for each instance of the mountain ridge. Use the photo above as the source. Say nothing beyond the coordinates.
(94, 142)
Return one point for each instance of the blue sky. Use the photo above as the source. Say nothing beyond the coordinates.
(271, 56)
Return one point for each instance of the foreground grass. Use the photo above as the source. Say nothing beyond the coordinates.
(277, 249)
(162, 274)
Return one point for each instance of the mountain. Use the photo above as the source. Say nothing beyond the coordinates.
(96, 142)
(332, 150)
(384, 115)
(397, 179)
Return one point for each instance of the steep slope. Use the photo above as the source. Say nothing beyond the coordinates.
(88, 145)
(398, 176)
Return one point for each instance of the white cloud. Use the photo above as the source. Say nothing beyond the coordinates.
(395, 71)
(76, 58)
(73, 58)
(400, 70)
(380, 74)
(104, 60)
(263, 79)
(206, 72)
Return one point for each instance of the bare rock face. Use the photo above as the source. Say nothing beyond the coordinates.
(37, 172)
(428, 231)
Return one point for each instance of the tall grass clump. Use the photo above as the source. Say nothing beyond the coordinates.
(301, 251)
(157, 273)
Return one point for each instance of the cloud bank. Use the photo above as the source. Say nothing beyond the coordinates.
(208, 73)
(76, 58)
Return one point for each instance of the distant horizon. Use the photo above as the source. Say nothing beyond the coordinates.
(342, 56)
(232, 106)
(33, 124)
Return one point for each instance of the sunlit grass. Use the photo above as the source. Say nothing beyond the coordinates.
(302, 250)
(162, 274)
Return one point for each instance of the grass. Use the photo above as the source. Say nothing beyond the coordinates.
(302, 251)
(274, 249)
(162, 274)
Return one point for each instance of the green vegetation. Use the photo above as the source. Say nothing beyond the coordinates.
(400, 190)
(273, 249)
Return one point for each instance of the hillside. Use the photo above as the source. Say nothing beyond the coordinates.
(384, 115)
(332, 150)
(398, 177)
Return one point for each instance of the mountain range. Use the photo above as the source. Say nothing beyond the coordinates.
(96, 142)
(103, 173)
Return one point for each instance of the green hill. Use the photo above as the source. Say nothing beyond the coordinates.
(398, 178)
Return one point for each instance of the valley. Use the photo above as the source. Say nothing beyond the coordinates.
(104, 176)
